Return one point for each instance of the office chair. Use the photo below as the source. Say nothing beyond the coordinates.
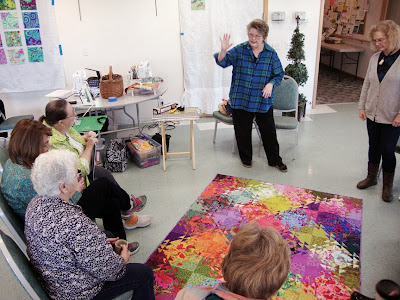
(24, 271)
(7, 125)
(220, 118)
(12, 221)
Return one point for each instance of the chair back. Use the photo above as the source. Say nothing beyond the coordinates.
(21, 267)
(286, 95)
(12, 221)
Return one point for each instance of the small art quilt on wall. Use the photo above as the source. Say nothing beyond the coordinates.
(28, 4)
(198, 4)
(30, 19)
(29, 40)
(9, 20)
(7, 4)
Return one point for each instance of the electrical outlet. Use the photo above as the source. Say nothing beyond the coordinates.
(85, 52)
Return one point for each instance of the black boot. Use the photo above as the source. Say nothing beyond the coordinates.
(387, 193)
(372, 177)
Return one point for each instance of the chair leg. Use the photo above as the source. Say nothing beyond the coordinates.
(295, 144)
(215, 130)
(259, 136)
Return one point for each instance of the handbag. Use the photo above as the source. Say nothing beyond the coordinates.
(116, 156)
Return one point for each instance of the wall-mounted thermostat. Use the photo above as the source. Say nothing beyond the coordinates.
(278, 16)
(303, 15)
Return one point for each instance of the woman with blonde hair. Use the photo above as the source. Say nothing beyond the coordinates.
(380, 105)
(256, 266)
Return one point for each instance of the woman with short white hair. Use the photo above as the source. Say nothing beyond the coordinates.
(65, 245)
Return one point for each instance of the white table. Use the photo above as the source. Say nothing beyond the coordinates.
(121, 103)
(343, 49)
(191, 114)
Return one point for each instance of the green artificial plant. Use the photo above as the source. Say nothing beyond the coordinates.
(297, 70)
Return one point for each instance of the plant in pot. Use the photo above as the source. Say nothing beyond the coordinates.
(298, 70)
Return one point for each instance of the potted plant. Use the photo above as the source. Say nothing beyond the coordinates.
(298, 70)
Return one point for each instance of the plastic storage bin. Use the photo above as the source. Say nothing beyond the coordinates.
(145, 158)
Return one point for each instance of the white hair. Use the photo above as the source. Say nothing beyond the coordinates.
(52, 168)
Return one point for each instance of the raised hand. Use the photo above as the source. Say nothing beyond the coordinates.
(225, 45)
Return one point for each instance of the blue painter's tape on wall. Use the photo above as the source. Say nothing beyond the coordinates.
(181, 33)
(52, 2)
(60, 48)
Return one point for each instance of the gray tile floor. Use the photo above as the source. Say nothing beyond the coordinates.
(331, 157)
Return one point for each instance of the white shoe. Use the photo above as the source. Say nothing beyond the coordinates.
(143, 221)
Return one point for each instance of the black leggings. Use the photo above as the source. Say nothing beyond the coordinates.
(104, 200)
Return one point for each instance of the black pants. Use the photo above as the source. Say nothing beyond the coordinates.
(243, 123)
(382, 144)
(104, 200)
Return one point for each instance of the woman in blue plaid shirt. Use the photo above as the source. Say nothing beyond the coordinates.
(257, 70)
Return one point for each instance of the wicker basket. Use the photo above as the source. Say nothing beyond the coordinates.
(111, 85)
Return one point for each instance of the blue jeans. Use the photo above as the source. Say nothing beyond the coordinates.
(138, 277)
(382, 144)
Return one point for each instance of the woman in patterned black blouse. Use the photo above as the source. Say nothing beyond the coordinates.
(73, 257)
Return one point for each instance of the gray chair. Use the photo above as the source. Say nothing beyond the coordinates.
(12, 221)
(8, 124)
(21, 267)
(220, 118)
(286, 98)
(24, 271)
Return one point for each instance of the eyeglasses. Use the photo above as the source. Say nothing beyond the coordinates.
(252, 36)
(379, 40)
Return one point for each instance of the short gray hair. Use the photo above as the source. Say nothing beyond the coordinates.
(52, 168)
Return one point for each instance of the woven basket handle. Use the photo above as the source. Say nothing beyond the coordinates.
(110, 73)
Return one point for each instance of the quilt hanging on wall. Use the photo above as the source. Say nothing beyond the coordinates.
(202, 24)
(29, 49)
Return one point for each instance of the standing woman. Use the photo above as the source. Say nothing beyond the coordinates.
(257, 70)
(380, 105)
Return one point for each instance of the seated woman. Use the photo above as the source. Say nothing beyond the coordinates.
(102, 199)
(73, 257)
(60, 116)
(256, 266)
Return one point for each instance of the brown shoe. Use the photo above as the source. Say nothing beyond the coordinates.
(372, 177)
(387, 193)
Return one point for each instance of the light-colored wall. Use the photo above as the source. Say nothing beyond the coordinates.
(281, 34)
(125, 32)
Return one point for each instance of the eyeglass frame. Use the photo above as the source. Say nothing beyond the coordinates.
(257, 37)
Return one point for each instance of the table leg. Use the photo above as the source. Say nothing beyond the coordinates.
(163, 142)
(113, 117)
(358, 59)
(341, 66)
(192, 155)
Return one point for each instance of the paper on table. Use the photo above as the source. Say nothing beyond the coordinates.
(63, 94)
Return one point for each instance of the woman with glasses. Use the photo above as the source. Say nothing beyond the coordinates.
(257, 70)
(60, 116)
(380, 105)
(74, 259)
(102, 199)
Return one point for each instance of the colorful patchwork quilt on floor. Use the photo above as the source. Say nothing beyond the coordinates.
(323, 231)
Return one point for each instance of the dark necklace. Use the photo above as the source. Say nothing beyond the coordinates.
(383, 58)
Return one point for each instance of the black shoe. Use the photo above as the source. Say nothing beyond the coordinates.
(388, 289)
(281, 167)
(246, 164)
(358, 296)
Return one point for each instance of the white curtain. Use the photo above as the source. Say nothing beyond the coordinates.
(29, 64)
(205, 83)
